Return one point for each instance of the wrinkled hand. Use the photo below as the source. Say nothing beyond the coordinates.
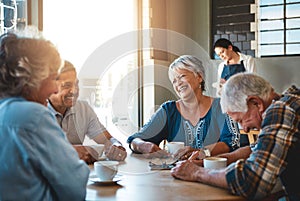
(184, 153)
(86, 153)
(113, 152)
(148, 147)
(151, 150)
(185, 170)
(197, 157)
(158, 154)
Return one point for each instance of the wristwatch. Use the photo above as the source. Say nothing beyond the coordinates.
(206, 152)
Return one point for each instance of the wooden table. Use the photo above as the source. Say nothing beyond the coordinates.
(139, 183)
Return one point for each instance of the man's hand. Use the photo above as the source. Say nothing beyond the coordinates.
(185, 170)
(86, 153)
(114, 152)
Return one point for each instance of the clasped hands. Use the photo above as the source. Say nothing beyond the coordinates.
(112, 152)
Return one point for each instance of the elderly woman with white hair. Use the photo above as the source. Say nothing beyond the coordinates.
(195, 119)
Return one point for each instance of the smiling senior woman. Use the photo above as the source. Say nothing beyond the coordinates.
(195, 119)
(32, 145)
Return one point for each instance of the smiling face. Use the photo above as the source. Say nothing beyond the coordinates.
(68, 90)
(185, 83)
(224, 53)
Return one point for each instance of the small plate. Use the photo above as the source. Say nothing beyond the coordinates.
(162, 163)
(96, 180)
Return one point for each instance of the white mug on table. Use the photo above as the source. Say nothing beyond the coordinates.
(173, 147)
(106, 170)
(215, 162)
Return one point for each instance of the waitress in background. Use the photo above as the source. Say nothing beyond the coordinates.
(233, 62)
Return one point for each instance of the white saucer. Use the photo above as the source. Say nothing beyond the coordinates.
(95, 179)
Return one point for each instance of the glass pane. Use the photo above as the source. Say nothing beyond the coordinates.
(21, 13)
(13, 15)
(270, 2)
(293, 36)
(292, 1)
(292, 23)
(268, 12)
(272, 37)
(116, 97)
(293, 49)
(271, 25)
(293, 10)
(267, 50)
(99, 38)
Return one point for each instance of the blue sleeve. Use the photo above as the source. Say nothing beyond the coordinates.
(155, 130)
(229, 131)
(58, 161)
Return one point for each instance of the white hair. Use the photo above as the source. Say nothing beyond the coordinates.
(190, 63)
(239, 87)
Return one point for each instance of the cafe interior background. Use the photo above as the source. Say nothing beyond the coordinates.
(122, 48)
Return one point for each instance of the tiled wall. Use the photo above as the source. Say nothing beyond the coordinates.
(231, 19)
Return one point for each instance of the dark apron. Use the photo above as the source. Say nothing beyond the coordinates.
(227, 72)
(230, 70)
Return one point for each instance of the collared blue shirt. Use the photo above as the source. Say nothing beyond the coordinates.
(37, 161)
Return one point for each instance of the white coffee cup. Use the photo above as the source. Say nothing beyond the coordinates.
(106, 170)
(173, 147)
(215, 162)
(98, 148)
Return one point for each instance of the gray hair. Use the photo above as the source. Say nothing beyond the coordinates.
(190, 63)
(24, 63)
(68, 66)
(239, 87)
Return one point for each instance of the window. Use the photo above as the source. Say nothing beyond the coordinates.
(279, 28)
(14, 15)
(232, 20)
(98, 37)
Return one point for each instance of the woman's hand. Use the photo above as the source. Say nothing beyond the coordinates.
(149, 149)
(184, 153)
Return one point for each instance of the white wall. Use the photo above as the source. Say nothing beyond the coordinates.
(281, 72)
